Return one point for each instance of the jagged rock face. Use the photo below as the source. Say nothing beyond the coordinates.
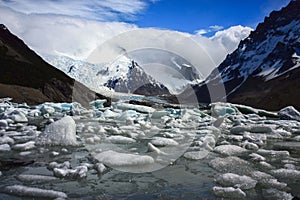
(26, 77)
(137, 82)
(264, 70)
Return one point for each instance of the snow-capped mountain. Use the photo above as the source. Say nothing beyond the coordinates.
(123, 75)
(265, 69)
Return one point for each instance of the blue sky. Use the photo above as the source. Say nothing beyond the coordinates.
(191, 15)
(180, 15)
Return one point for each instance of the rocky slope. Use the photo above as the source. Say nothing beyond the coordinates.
(26, 77)
(264, 71)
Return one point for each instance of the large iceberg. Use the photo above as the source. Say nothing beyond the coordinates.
(61, 132)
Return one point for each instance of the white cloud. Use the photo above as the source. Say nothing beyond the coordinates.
(216, 28)
(60, 35)
(210, 29)
(201, 32)
(78, 38)
(103, 10)
(231, 36)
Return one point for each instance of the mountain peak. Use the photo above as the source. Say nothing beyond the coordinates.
(2, 26)
(264, 71)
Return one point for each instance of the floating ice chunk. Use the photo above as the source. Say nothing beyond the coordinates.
(289, 113)
(196, 155)
(159, 141)
(261, 129)
(152, 148)
(271, 194)
(113, 130)
(296, 138)
(273, 153)
(118, 139)
(240, 130)
(3, 123)
(229, 192)
(139, 108)
(61, 132)
(250, 146)
(25, 153)
(128, 115)
(288, 145)
(36, 178)
(221, 109)
(54, 153)
(290, 174)
(1, 173)
(99, 103)
(209, 142)
(159, 114)
(256, 157)
(100, 168)
(78, 172)
(24, 146)
(65, 165)
(45, 109)
(266, 165)
(230, 150)
(110, 114)
(116, 159)
(34, 192)
(236, 138)
(34, 113)
(92, 140)
(17, 116)
(6, 140)
(231, 164)
(234, 180)
(247, 110)
(4, 147)
(64, 150)
(283, 132)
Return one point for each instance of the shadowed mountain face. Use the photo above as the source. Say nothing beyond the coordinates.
(26, 77)
(264, 71)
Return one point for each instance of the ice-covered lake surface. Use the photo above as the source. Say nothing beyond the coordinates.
(65, 151)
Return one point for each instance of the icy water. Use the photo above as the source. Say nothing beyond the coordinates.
(137, 152)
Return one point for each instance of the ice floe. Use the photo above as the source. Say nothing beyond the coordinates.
(236, 181)
(230, 150)
(289, 113)
(61, 132)
(159, 141)
(118, 139)
(116, 159)
(21, 190)
(229, 192)
(36, 178)
(4, 147)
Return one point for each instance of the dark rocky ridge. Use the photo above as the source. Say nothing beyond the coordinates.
(26, 77)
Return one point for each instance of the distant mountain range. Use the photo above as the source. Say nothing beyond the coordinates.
(264, 71)
(124, 75)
